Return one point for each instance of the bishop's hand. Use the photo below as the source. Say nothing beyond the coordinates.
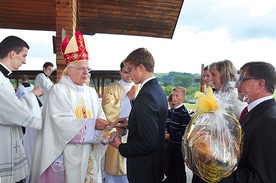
(101, 124)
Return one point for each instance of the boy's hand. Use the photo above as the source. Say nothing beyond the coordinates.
(121, 122)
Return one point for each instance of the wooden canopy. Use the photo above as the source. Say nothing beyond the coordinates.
(154, 18)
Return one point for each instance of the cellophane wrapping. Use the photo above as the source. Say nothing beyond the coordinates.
(212, 141)
(110, 132)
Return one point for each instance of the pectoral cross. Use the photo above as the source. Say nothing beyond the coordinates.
(16, 146)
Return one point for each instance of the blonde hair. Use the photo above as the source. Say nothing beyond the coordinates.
(226, 69)
(180, 89)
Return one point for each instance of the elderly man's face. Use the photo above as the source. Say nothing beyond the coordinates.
(78, 72)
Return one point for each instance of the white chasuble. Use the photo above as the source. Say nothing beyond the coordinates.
(68, 110)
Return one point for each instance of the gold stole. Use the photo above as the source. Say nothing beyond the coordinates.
(114, 161)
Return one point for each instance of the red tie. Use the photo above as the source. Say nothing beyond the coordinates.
(243, 113)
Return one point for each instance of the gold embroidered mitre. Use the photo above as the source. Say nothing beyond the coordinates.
(74, 49)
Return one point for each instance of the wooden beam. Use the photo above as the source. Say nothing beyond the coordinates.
(66, 12)
(202, 83)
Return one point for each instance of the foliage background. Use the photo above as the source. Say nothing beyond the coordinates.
(172, 79)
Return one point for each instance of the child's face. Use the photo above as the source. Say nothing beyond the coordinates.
(171, 105)
(177, 98)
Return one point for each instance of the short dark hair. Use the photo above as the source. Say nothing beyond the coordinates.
(206, 68)
(170, 98)
(122, 65)
(12, 43)
(141, 56)
(46, 64)
(262, 70)
(24, 77)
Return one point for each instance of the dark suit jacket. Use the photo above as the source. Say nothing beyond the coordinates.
(258, 160)
(145, 144)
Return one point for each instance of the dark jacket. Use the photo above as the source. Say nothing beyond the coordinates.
(258, 160)
(145, 144)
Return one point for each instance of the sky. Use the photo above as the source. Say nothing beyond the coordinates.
(207, 31)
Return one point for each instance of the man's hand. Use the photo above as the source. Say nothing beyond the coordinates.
(121, 122)
(37, 91)
(101, 124)
(131, 93)
(116, 142)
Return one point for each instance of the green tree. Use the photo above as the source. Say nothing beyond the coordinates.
(169, 80)
(167, 89)
(190, 92)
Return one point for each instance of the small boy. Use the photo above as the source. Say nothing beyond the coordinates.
(179, 120)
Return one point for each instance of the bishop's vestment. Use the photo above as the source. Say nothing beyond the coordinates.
(68, 147)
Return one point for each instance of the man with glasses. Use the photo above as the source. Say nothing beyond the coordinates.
(69, 148)
(144, 148)
(117, 100)
(43, 81)
(256, 86)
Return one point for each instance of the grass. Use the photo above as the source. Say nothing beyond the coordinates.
(190, 107)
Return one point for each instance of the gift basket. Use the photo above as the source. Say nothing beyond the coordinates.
(110, 132)
(212, 141)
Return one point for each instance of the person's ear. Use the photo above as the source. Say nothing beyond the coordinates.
(12, 53)
(261, 83)
(141, 67)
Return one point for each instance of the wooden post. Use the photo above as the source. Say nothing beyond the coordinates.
(66, 11)
(202, 83)
(103, 81)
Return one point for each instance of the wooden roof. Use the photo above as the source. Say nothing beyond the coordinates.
(154, 18)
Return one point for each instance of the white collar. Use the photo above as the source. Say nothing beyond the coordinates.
(144, 82)
(123, 83)
(176, 107)
(258, 101)
(6, 68)
(78, 87)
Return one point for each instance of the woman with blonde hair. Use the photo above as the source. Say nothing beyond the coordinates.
(224, 77)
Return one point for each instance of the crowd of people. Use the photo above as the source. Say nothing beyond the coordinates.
(53, 133)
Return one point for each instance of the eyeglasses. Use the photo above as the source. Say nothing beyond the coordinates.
(245, 79)
(82, 69)
(241, 79)
(130, 68)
